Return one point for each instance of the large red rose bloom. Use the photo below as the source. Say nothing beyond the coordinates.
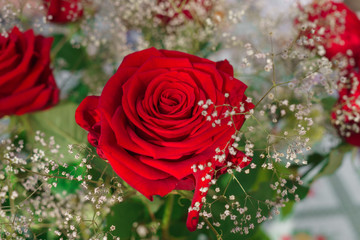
(27, 83)
(63, 11)
(149, 125)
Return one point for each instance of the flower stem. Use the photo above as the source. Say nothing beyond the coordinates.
(167, 217)
(63, 41)
(25, 121)
(267, 93)
(218, 236)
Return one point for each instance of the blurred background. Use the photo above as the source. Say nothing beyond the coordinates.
(332, 208)
(353, 4)
(331, 211)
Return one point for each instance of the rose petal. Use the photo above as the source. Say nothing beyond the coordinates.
(225, 67)
(87, 113)
(25, 42)
(108, 145)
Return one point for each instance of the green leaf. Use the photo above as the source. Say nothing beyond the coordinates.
(74, 58)
(70, 186)
(287, 210)
(78, 93)
(301, 190)
(315, 158)
(101, 168)
(58, 122)
(155, 204)
(328, 103)
(123, 216)
(334, 162)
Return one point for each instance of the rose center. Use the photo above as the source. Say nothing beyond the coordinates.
(171, 101)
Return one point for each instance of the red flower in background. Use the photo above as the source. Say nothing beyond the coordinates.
(346, 113)
(176, 11)
(149, 124)
(333, 26)
(63, 11)
(27, 83)
(338, 30)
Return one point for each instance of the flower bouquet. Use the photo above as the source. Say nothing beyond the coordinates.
(170, 119)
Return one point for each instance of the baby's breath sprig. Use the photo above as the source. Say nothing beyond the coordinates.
(41, 190)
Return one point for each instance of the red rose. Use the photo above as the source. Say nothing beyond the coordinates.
(149, 124)
(175, 12)
(346, 113)
(63, 11)
(26, 80)
(337, 27)
(339, 30)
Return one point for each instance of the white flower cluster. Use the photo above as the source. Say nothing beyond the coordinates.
(41, 191)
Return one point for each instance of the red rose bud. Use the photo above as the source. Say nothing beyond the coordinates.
(346, 113)
(176, 11)
(335, 27)
(151, 123)
(63, 11)
(26, 81)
